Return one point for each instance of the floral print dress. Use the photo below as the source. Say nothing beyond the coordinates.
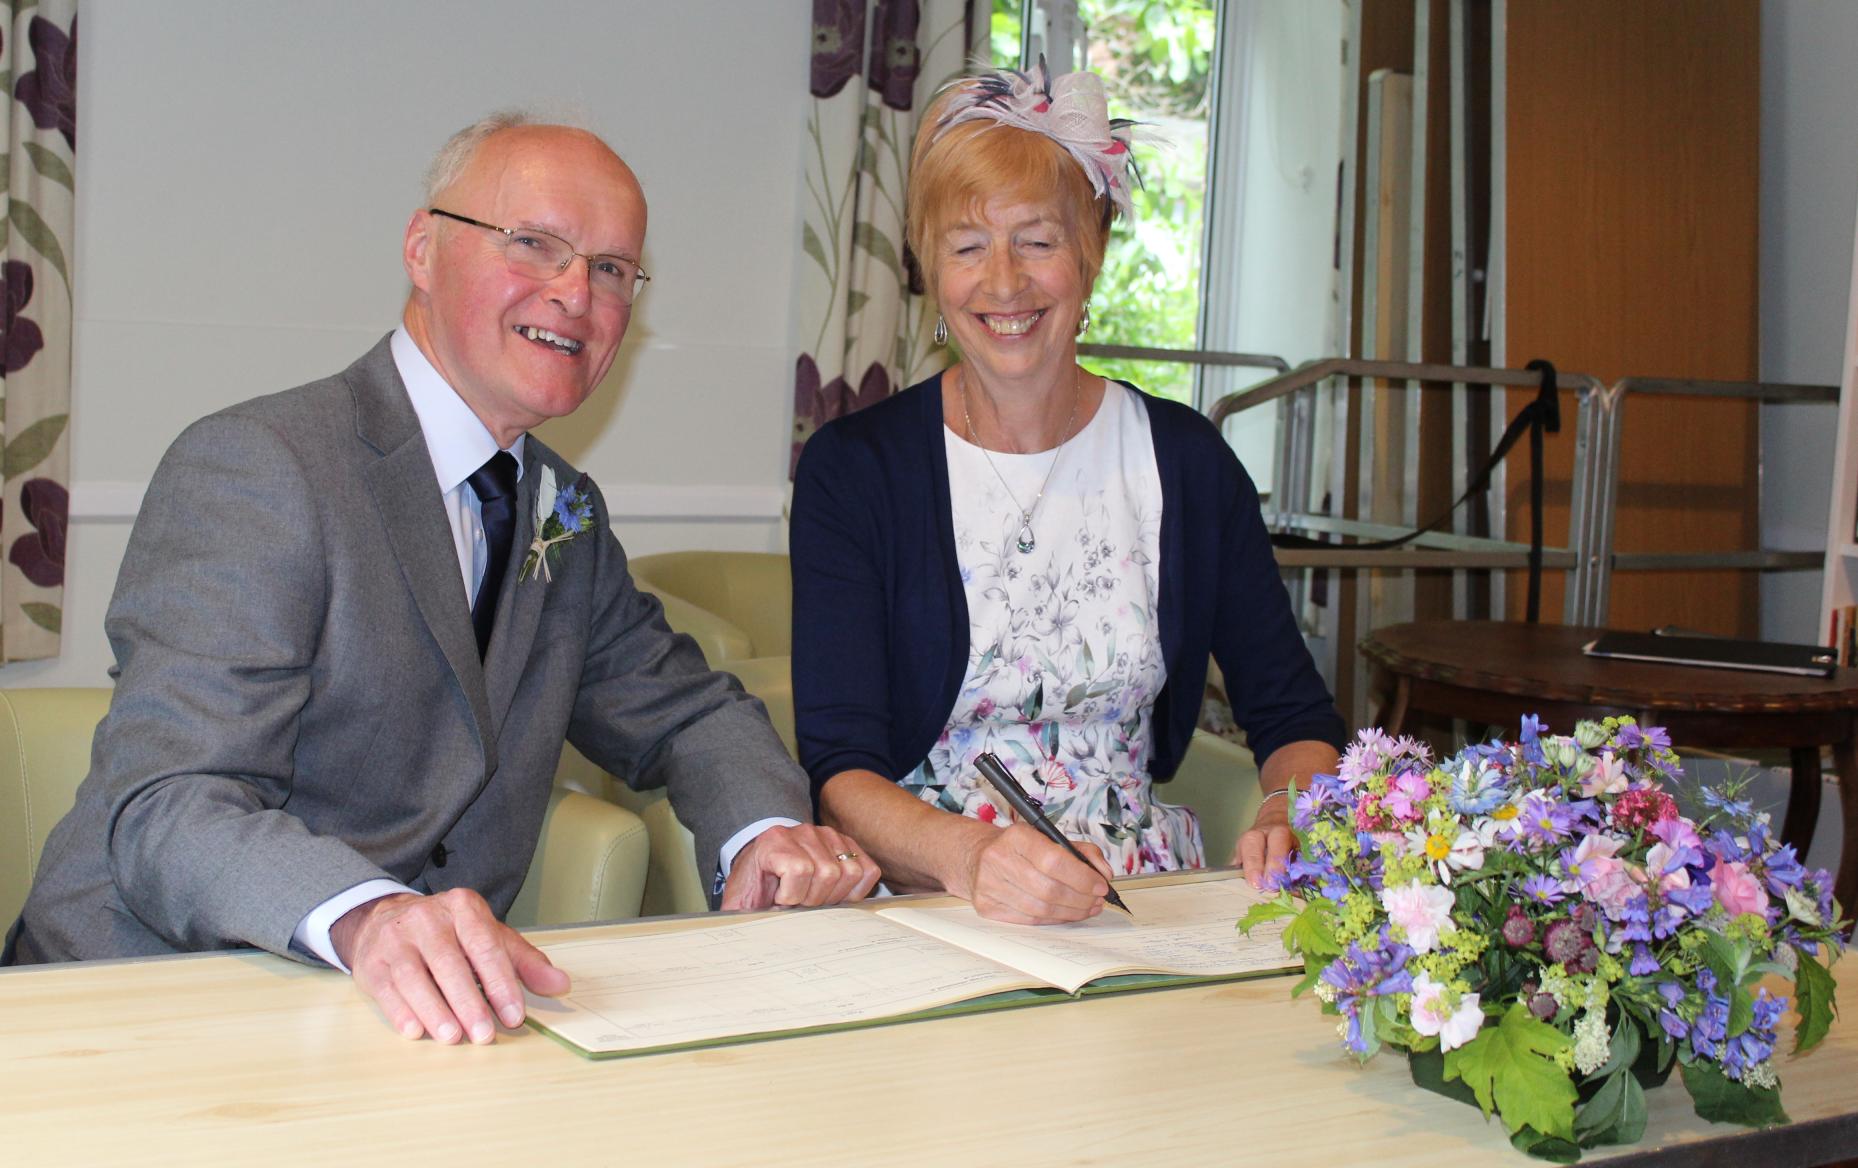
(1064, 653)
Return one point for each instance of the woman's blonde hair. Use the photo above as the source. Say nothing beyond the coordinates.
(957, 170)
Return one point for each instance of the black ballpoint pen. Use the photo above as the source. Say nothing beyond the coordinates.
(1029, 812)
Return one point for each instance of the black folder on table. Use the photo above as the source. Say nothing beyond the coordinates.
(1716, 653)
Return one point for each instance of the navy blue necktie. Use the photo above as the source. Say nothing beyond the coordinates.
(495, 484)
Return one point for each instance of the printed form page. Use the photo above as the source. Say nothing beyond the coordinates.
(778, 973)
(1185, 929)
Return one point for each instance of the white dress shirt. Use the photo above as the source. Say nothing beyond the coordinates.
(459, 444)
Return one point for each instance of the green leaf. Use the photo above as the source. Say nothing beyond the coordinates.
(854, 300)
(32, 446)
(1600, 1113)
(1531, 1142)
(1512, 1068)
(1741, 1011)
(39, 234)
(47, 616)
(1312, 931)
(1074, 695)
(1720, 1099)
(1616, 1113)
(809, 241)
(1270, 910)
(868, 237)
(1813, 990)
(50, 165)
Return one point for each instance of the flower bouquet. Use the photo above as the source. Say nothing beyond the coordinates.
(1544, 933)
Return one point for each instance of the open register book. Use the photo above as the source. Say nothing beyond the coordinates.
(832, 969)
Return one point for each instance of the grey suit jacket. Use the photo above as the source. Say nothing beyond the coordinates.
(300, 707)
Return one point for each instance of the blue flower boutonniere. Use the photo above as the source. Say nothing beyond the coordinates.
(559, 517)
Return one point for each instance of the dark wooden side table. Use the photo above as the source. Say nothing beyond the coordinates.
(1497, 671)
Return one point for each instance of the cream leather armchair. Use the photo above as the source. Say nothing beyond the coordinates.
(673, 883)
(1219, 780)
(589, 865)
(736, 604)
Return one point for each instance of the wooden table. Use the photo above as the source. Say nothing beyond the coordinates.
(249, 1059)
(1497, 671)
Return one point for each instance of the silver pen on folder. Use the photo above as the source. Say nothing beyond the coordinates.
(1029, 812)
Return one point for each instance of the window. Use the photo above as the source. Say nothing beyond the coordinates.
(1233, 243)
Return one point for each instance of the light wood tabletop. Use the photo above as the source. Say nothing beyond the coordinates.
(248, 1059)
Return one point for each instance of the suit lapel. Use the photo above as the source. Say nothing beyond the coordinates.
(519, 607)
(406, 495)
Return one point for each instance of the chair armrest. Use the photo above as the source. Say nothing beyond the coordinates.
(589, 864)
(719, 639)
(1219, 780)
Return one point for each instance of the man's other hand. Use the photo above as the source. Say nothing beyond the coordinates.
(430, 963)
(802, 865)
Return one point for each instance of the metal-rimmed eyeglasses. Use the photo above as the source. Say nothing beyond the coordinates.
(542, 256)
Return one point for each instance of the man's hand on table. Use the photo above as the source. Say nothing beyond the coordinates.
(430, 963)
(802, 865)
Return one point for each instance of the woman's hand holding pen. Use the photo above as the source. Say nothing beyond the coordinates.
(1017, 875)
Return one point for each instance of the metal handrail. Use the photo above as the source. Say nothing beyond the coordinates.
(1186, 356)
(1606, 484)
(1312, 372)
(1580, 557)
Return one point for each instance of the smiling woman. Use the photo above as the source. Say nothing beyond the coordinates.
(980, 562)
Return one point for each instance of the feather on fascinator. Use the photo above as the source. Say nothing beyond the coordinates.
(1070, 109)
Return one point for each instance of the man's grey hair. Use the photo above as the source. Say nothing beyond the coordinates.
(453, 157)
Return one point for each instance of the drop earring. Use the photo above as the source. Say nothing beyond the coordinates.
(1083, 322)
(941, 330)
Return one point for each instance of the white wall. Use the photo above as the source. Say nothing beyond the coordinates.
(1809, 194)
(246, 170)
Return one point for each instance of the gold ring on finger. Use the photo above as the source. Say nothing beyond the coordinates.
(844, 856)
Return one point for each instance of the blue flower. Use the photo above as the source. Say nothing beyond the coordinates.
(1784, 869)
(1367, 973)
(1673, 1024)
(1643, 963)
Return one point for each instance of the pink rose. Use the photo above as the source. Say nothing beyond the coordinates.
(1737, 890)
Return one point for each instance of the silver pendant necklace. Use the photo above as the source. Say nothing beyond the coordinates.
(1027, 540)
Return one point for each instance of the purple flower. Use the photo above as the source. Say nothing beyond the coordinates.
(822, 403)
(1678, 835)
(1643, 963)
(22, 338)
(49, 92)
(1567, 945)
(895, 59)
(1735, 809)
(1366, 973)
(1724, 847)
(1544, 1007)
(1518, 929)
(1784, 870)
(1546, 818)
(1542, 889)
(40, 554)
(1675, 1026)
(838, 44)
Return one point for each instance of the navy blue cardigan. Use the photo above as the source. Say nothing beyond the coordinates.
(880, 634)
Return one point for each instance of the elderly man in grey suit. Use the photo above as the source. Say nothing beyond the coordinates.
(321, 743)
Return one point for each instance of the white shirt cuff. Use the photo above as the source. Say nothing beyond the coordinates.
(725, 859)
(313, 930)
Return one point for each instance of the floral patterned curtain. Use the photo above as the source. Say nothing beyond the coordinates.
(38, 64)
(875, 65)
